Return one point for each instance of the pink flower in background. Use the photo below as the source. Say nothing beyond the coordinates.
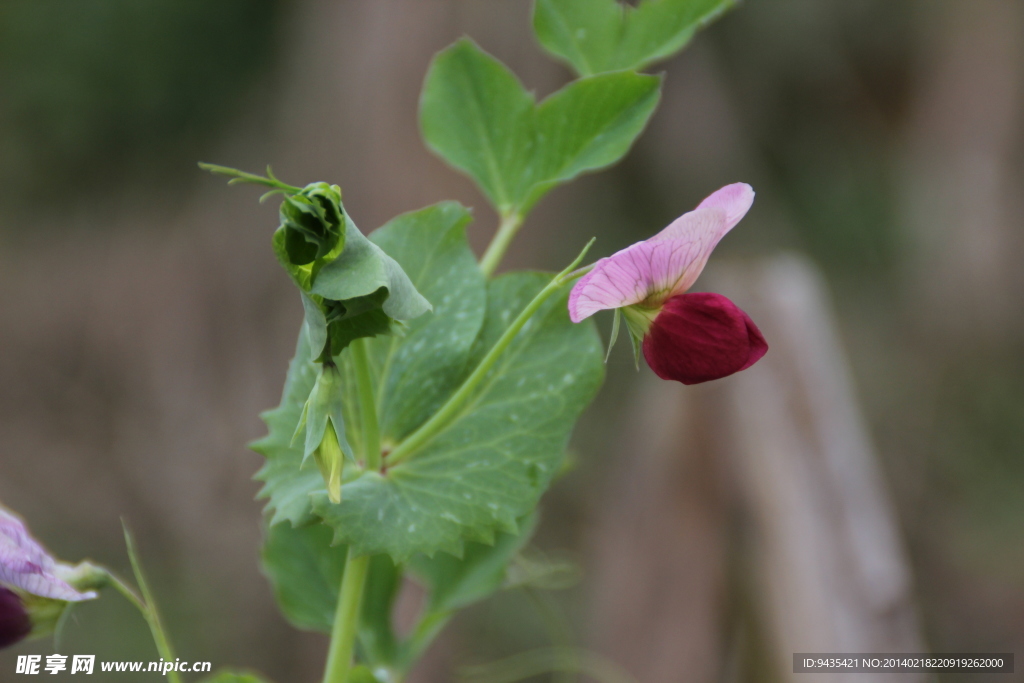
(690, 338)
(26, 568)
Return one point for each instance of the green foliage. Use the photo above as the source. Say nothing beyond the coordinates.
(346, 321)
(351, 289)
(468, 483)
(376, 637)
(481, 473)
(363, 269)
(470, 408)
(597, 36)
(476, 115)
(489, 466)
(356, 293)
(417, 371)
(305, 572)
(286, 484)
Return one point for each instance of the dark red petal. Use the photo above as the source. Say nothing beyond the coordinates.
(758, 346)
(14, 621)
(700, 337)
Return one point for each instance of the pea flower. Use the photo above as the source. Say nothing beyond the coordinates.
(32, 583)
(688, 337)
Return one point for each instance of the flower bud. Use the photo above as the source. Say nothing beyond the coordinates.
(330, 461)
(700, 337)
(313, 223)
(14, 621)
(324, 425)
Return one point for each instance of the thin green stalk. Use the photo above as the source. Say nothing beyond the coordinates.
(428, 628)
(448, 411)
(367, 405)
(508, 228)
(251, 178)
(146, 605)
(346, 620)
(558, 630)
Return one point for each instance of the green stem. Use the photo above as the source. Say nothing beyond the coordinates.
(146, 606)
(367, 405)
(508, 228)
(448, 411)
(558, 630)
(346, 620)
(428, 628)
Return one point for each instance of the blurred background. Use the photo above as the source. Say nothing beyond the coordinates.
(145, 322)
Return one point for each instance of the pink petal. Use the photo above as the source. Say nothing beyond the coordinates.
(665, 265)
(700, 337)
(735, 200)
(649, 271)
(24, 564)
(12, 530)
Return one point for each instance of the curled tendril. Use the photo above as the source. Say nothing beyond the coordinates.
(239, 177)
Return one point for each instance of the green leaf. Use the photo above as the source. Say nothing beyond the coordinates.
(597, 36)
(305, 572)
(286, 485)
(376, 636)
(490, 465)
(361, 270)
(231, 676)
(480, 119)
(455, 582)
(417, 371)
(356, 319)
(315, 321)
(353, 293)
